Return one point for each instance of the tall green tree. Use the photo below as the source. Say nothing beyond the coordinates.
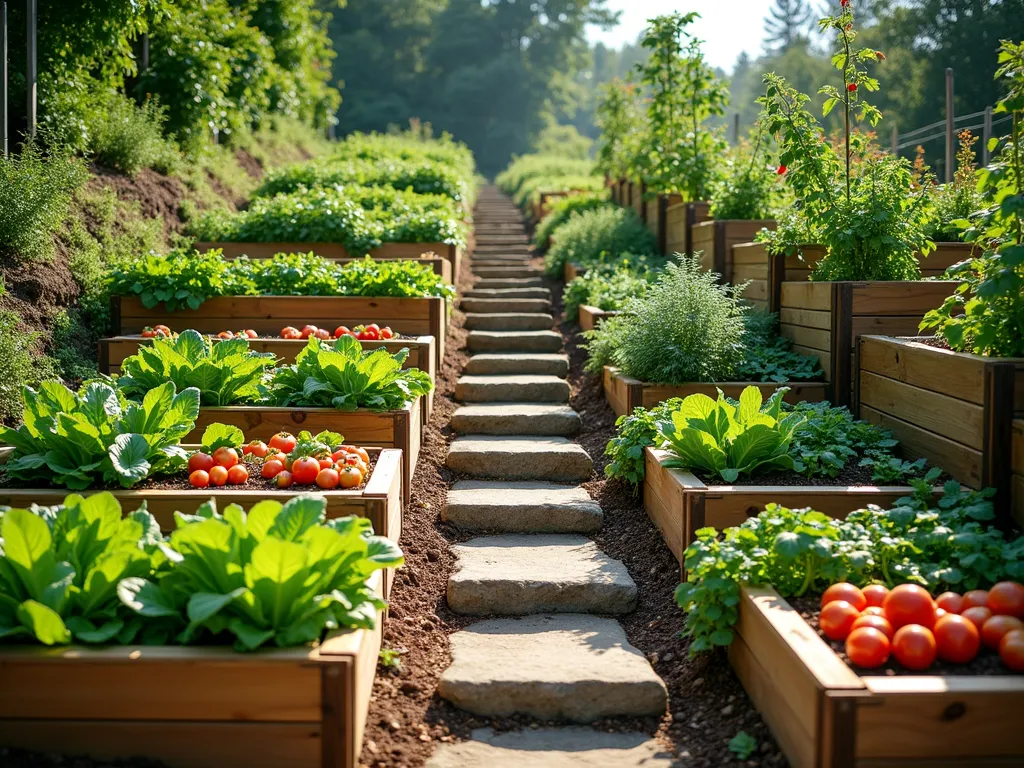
(787, 24)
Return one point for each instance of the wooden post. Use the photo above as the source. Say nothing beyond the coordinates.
(3, 76)
(895, 140)
(31, 72)
(950, 127)
(144, 63)
(986, 134)
(736, 129)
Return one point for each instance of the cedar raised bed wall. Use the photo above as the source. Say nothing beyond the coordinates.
(267, 315)
(194, 707)
(591, 317)
(624, 393)
(825, 319)
(680, 504)
(715, 240)
(824, 715)
(954, 409)
(571, 271)
(680, 219)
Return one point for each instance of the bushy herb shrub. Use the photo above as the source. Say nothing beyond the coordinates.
(600, 235)
(35, 192)
(956, 201)
(562, 210)
(129, 138)
(528, 175)
(18, 366)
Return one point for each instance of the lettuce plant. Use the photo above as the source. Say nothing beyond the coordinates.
(225, 373)
(96, 437)
(280, 575)
(341, 375)
(60, 567)
(730, 440)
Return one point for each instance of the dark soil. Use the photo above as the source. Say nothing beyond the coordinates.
(851, 475)
(158, 196)
(985, 663)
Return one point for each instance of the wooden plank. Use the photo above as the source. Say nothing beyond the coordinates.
(809, 318)
(812, 338)
(664, 502)
(757, 290)
(824, 358)
(961, 462)
(743, 272)
(178, 744)
(750, 254)
(884, 325)
(1018, 446)
(911, 297)
(361, 427)
(957, 375)
(653, 394)
(807, 295)
(730, 505)
(958, 420)
(591, 317)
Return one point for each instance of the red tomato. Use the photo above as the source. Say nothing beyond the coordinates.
(339, 455)
(867, 647)
(256, 448)
(875, 594)
(956, 639)
(218, 475)
(874, 610)
(877, 622)
(373, 327)
(291, 332)
(909, 604)
(975, 597)
(847, 592)
(225, 457)
(238, 474)
(326, 463)
(328, 478)
(251, 334)
(323, 334)
(271, 469)
(1011, 650)
(1006, 599)
(200, 478)
(200, 460)
(914, 646)
(162, 330)
(995, 627)
(148, 332)
(283, 479)
(950, 602)
(387, 333)
(977, 614)
(284, 442)
(836, 619)
(305, 470)
(939, 613)
(361, 453)
(340, 331)
(350, 477)
(307, 331)
(225, 335)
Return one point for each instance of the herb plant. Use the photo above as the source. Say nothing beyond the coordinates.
(225, 373)
(620, 119)
(956, 201)
(280, 575)
(746, 187)
(942, 544)
(60, 567)
(602, 235)
(181, 279)
(562, 210)
(96, 437)
(609, 289)
(344, 377)
(729, 440)
(986, 313)
(634, 432)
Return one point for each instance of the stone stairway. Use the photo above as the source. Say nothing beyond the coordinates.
(548, 647)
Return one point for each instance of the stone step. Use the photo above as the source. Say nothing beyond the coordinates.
(567, 666)
(509, 282)
(520, 458)
(510, 362)
(503, 306)
(523, 271)
(516, 419)
(568, 747)
(509, 321)
(508, 293)
(514, 341)
(519, 574)
(522, 507)
(495, 263)
(513, 388)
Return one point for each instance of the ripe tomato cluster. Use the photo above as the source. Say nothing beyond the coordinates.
(279, 461)
(907, 623)
(371, 332)
(156, 331)
(247, 334)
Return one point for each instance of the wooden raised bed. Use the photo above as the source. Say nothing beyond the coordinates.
(571, 271)
(824, 715)
(680, 504)
(267, 315)
(715, 239)
(1017, 479)
(638, 189)
(825, 319)
(388, 429)
(433, 253)
(624, 393)
(113, 351)
(680, 220)
(194, 707)
(590, 317)
(952, 408)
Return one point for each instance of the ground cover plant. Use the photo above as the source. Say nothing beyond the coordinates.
(280, 574)
(943, 544)
(529, 175)
(597, 236)
(608, 287)
(185, 279)
(563, 209)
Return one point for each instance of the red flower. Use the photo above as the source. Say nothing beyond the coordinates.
(849, 27)
(851, 87)
(844, 3)
(782, 169)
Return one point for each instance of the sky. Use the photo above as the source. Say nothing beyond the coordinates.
(728, 26)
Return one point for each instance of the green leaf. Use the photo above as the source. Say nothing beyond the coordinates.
(221, 436)
(129, 457)
(202, 606)
(146, 598)
(44, 623)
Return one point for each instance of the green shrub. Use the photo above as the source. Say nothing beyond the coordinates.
(955, 202)
(745, 189)
(130, 137)
(562, 210)
(424, 177)
(35, 193)
(588, 237)
(607, 289)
